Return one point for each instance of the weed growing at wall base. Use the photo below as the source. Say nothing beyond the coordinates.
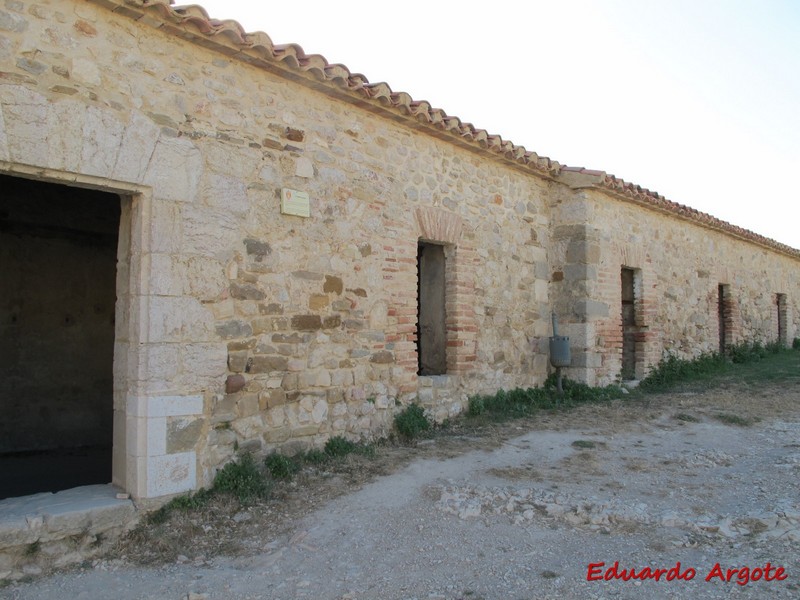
(281, 466)
(523, 402)
(411, 422)
(673, 370)
(284, 467)
(242, 479)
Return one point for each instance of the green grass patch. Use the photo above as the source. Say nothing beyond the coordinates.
(737, 420)
(584, 444)
(411, 422)
(548, 575)
(339, 447)
(284, 467)
(242, 479)
(315, 456)
(519, 402)
(281, 466)
(751, 362)
(33, 548)
(188, 502)
(686, 417)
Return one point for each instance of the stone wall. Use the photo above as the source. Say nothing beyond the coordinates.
(240, 326)
(679, 267)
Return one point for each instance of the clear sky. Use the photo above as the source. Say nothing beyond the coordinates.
(698, 100)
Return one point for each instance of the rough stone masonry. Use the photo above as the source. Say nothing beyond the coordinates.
(241, 325)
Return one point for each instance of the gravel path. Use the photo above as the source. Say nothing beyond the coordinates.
(524, 520)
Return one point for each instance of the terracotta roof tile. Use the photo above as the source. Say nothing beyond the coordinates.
(227, 36)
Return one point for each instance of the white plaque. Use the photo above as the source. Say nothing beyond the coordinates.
(295, 202)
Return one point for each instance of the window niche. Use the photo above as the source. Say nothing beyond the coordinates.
(431, 314)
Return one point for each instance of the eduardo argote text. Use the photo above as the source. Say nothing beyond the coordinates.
(741, 575)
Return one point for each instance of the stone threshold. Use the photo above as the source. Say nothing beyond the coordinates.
(58, 529)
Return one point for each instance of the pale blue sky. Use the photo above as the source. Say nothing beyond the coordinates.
(698, 100)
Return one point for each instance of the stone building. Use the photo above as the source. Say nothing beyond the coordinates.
(209, 242)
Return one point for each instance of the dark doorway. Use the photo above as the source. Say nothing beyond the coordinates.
(780, 301)
(628, 324)
(431, 325)
(58, 256)
(722, 317)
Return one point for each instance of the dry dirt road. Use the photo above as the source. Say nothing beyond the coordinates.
(535, 509)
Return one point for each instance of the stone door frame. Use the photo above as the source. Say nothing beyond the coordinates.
(130, 441)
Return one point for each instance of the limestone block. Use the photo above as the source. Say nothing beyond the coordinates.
(138, 142)
(204, 364)
(540, 290)
(203, 277)
(174, 169)
(178, 319)
(224, 410)
(164, 406)
(85, 71)
(25, 114)
(65, 126)
(320, 411)
(276, 417)
(171, 474)
(577, 272)
(341, 377)
(304, 430)
(303, 167)
(165, 227)
(250, 427)
(278, 435)
(183, 434)
(269, 364)
(591, 308)
(164, 276)
(12, 22)
(224, 192)
(247, 405)
(102, 137)
(318, 378)
(162, 362)
(241, 163)
(209, 232)
(425, 396)
(318, 301)
(233, 329)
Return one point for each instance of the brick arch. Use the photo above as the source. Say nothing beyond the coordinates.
(632, 256)
(438, 225)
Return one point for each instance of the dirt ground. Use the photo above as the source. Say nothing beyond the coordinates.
(526, 509)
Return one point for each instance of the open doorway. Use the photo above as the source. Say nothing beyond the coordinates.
(629, 329)
(783, 336)
(58, 258)
(724, 316)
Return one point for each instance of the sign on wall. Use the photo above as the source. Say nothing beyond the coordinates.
(295, 202)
